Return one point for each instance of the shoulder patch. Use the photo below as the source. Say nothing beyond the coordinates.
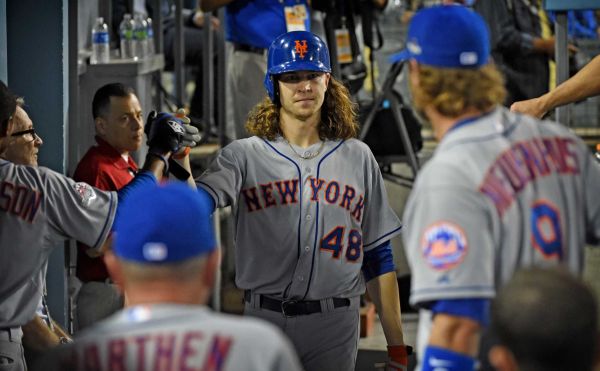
(444, 245)
(86, 193)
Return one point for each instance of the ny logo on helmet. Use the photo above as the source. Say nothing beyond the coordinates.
(301, 48)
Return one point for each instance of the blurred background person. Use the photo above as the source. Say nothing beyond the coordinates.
(250, 27)
(544, 320)
(108, 166)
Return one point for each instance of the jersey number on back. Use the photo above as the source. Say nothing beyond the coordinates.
(334, 242)
(546, 234)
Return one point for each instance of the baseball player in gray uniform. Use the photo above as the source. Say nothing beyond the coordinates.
(39, 208)
(501, 191)
(310, 211)
(42, 332)
(166, 267)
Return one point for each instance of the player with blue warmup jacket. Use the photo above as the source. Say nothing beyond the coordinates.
(311, 210)
(502, 190)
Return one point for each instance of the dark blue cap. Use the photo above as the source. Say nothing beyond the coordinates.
(447, 36)
(164, 223)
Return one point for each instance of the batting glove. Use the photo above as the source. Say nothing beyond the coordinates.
(192, 136)
(398, 357)
(168, 133)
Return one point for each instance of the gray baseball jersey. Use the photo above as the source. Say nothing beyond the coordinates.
(302, 225)
(177, 337)
(39, 208)
(501, 192)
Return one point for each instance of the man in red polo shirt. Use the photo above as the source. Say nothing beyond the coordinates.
(107, 165)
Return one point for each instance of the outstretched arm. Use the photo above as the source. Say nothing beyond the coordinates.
(583, 85)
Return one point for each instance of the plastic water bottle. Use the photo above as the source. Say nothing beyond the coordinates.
(150, 37)
(100, 42)
(140, 35)
(126, 34)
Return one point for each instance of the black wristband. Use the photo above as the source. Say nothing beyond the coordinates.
(163, 158)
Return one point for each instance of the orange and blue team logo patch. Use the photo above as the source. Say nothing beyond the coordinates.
(444, 245)
(301, 48)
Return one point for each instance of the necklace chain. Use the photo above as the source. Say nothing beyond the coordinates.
(310, 155)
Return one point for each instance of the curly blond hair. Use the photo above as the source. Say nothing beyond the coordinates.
(338, 116)
(452, 90)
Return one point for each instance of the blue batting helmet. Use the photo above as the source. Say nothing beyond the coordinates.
(295, 51)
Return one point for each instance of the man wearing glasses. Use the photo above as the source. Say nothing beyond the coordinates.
(40, 208)
(42, 332)
(24, 144)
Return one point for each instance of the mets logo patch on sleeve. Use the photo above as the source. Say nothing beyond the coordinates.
(444, 245)
(86, 193)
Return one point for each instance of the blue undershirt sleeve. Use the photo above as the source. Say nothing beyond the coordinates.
(143, 178)
(475, 309)
(378, 261)
(205, 195)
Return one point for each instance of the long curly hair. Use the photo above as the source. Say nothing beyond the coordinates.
(338, 116)
(452, 90)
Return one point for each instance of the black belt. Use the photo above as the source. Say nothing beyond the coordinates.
(292, 308)
(248, 48)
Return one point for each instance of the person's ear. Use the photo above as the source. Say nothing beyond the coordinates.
(502, 359)
(100, 125)
(9, 127)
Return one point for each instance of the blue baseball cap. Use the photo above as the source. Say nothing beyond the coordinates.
(447, 36)
(165, 223)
